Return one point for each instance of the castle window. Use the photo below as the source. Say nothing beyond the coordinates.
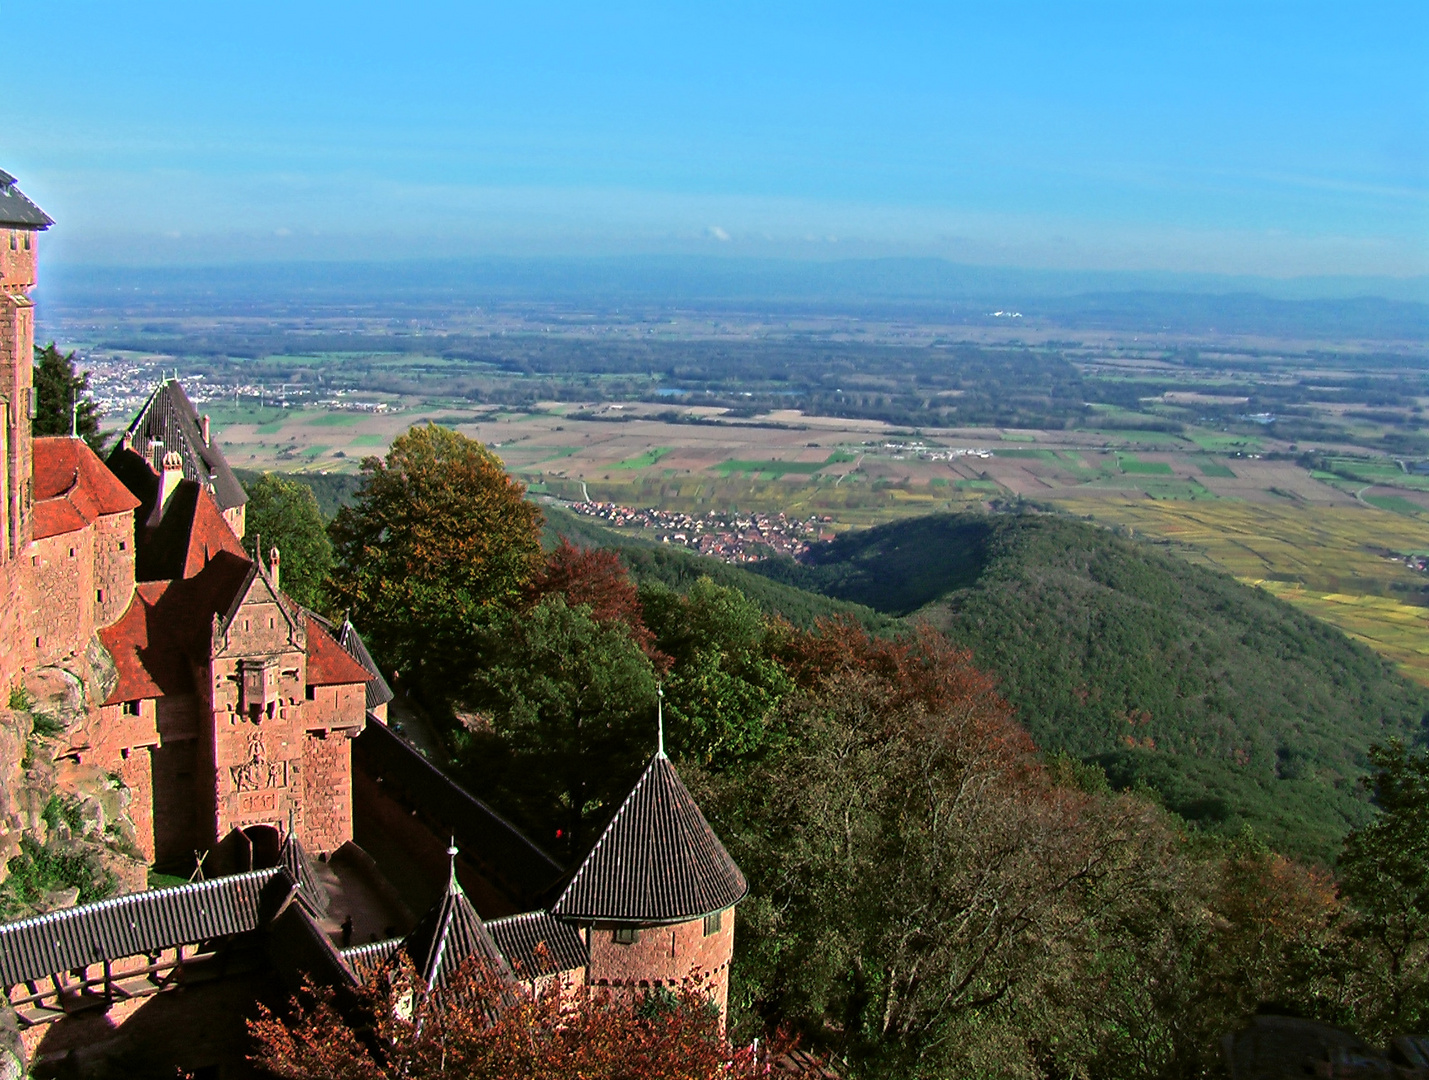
(13, 243)
(626, 935)
(27, 239)
(124, 545)
(713, 923)
(312, 693)
(99, 596)
(71, 553)
(130, 708)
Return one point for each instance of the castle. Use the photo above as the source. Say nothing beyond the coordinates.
(250, 735)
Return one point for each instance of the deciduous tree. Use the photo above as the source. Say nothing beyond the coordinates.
(438, 541)
(284, 513)
(568, 717)
(477, 1028)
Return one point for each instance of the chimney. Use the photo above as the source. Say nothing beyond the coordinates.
(204, 422)
(273, 567)
(170, 475)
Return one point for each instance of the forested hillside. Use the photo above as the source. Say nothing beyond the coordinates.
(650, 563)
(1232, 705)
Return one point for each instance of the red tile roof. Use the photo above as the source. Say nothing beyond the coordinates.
(72, 487)
(328, 662)
(167, 629)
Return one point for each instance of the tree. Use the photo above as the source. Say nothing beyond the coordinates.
(1384, 872)
(476, 1028)
(723, 688)
(284, 513)
(596, 579)
(438, 541)
(58, 391)
(567, 708)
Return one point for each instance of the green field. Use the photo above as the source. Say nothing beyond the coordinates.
(1129, 464)
(641, 461)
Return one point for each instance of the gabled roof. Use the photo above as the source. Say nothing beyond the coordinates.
(378, 692)
(449, 934)
(328, 663)
(657, 861)
(168, 627)
(168, 417)
(293, 858)
(507, 854)
(72, 488)
(178, 538)
(128, 925)
(18, 211)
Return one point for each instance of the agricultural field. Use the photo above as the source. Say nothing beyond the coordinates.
(1303, 468)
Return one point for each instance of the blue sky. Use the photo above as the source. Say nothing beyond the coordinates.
(1251, 137)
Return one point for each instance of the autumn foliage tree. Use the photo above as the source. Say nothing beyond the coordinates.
(480, 1028)
(438, 540)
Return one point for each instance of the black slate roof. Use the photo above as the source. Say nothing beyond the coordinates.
(657, 861)
(127, 925)
(448, 935)
(378, 692)
(520, 937)
(385, 756)
(169, 417)
(18, 211)
(293, 858)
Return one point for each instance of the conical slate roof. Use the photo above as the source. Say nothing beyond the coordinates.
(450, 933)
(657, 861)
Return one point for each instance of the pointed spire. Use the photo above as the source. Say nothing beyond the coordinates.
(449, 933)
(452, 852)
(660, 714)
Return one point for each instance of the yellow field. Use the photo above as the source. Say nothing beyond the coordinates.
(1318, 558)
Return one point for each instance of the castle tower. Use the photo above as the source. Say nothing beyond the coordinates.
(20, 223)
(656, 894)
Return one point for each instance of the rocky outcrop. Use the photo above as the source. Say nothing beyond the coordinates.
(65, 831)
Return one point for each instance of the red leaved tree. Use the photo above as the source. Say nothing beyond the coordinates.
(596, 579)
(477, 1026)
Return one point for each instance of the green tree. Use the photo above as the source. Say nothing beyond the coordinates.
(283, 513)
(565, 718)
(58, 391)
(724, 687)
(1384, 871)
(438, 541)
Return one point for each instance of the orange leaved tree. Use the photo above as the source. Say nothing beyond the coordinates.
(479, 1027)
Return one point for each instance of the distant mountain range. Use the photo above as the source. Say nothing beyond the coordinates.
(1342, 307)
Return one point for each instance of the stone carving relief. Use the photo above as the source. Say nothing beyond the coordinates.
(257, 772)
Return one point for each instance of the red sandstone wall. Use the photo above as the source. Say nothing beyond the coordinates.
(60, 595)
(327, 791)
(113, 566)
(176, 774)
(17, 263)
(137, 773)
(665, 955)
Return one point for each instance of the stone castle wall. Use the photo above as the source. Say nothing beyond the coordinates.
(665, 956)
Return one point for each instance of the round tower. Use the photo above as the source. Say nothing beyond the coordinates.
(655, 897)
